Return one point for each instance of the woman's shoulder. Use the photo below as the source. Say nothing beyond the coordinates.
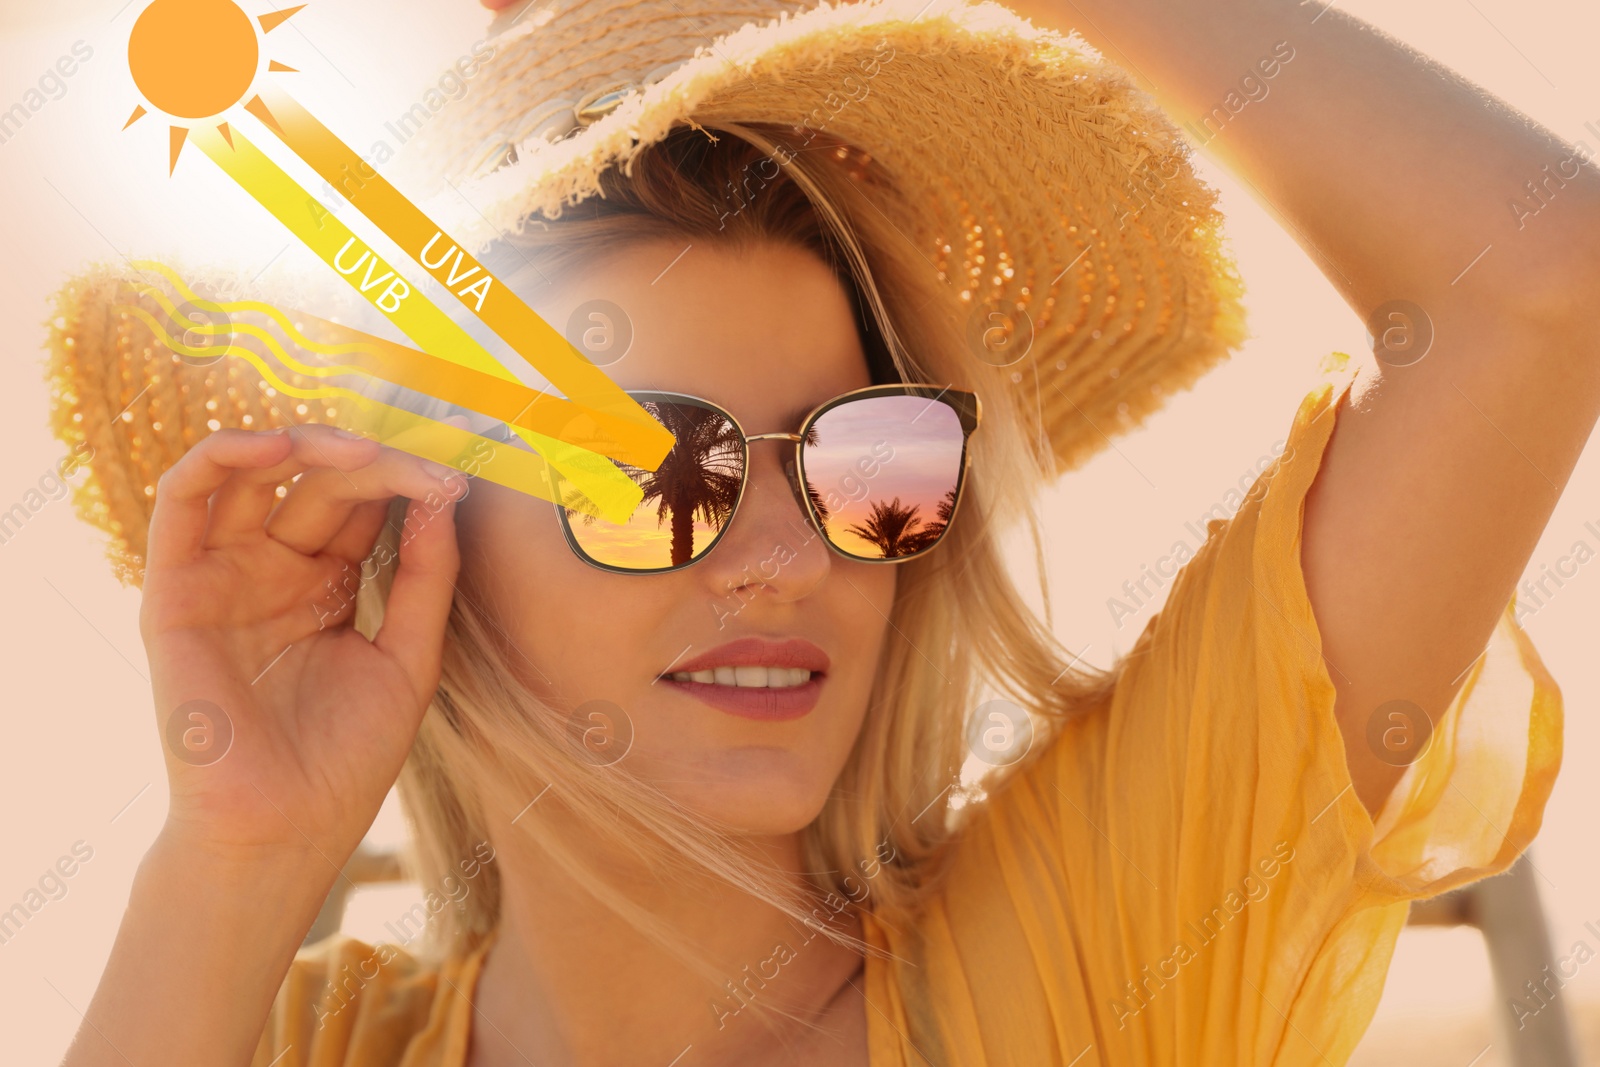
(352, 1003)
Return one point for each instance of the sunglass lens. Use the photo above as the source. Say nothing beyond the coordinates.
(883, 473)
(687, 501)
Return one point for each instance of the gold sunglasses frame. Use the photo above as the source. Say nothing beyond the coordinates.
(966, 405)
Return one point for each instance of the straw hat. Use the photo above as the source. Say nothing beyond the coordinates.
(1040, 183)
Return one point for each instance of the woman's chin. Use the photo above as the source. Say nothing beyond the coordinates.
(762, 794)
(748, 789)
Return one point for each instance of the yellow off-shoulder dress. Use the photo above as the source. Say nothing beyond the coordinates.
(1185, 876)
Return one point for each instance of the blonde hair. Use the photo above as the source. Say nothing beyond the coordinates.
(958, 627)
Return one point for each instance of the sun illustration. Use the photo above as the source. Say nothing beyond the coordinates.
(195, 59)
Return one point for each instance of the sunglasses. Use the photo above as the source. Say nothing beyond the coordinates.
(878, 471)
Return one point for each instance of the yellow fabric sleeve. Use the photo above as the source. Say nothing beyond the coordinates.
(346, 1003)
(1185, 876)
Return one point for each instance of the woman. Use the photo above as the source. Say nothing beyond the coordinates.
(692, 783)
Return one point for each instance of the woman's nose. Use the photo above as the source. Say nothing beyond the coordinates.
(770, 551)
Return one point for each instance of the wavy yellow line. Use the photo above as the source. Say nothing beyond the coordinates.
(246, 354)
(218, 329)
(232, 307)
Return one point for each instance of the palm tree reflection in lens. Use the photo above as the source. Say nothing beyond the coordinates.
(889, 468)
(812, 440)
(699, 479)
(894, 528)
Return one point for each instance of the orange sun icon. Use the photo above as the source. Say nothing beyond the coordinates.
(195, 59)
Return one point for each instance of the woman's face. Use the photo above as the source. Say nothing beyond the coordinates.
(766, 333)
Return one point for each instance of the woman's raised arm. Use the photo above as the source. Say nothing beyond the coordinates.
(1445, 218)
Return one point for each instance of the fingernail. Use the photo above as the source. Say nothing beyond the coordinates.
(438, 470)
(348, 434)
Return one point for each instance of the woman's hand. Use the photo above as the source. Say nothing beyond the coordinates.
(284, 726)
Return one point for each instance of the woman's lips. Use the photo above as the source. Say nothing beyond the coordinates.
(789, 702)
(755, 702)
(757, 652)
